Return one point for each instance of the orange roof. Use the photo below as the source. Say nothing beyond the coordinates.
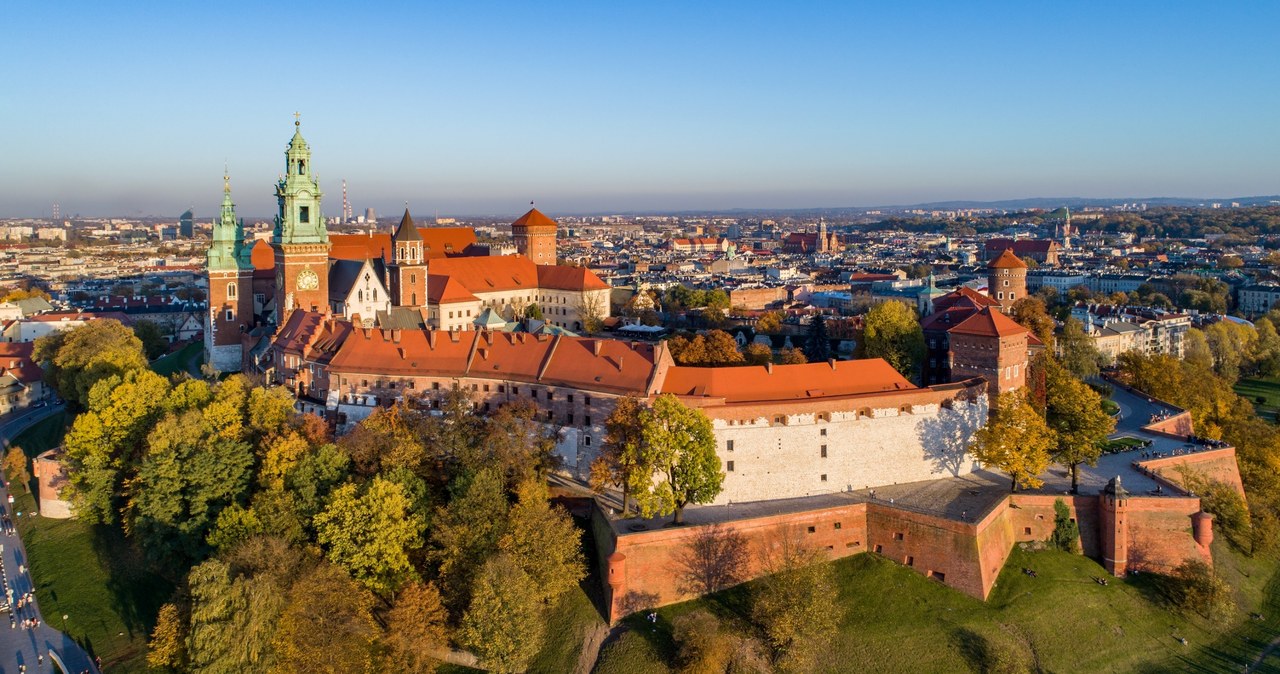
(489, 274)
(534, 218)
(964, 296)
(1007, 260)
(613, 365)
(989, 323)
(446, 290)
(263, 256)
(757, 383)
(437, 243)
(569, 278)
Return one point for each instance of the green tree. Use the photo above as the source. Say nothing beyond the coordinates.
(1198, 589)
(104, 443)
(187, 477)
(533, 311)
(891, 331)
(518, 443)
(1078, 352)
(1196, 351)
(370, 534)
(467, 531)
(1014, 440)
(544, 542)
(622, 456)
(503, 624)
(76, 359)
(314, 476)
(1265, 359)
(153, 342)
(681, 447)
(235, 525)
(1033, 314)
(1066, 532)
(416, 626)
(817, 346)
(1074, 413)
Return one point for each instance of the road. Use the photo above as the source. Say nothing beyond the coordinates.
(21, 646)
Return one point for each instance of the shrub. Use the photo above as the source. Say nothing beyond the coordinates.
(1066, 533)
(1197, 589)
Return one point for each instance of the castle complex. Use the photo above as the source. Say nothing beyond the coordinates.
(349, 323)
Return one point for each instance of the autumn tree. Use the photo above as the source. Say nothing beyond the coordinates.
(518, 443)
(757, 354)
(74, 360)
(621, 458)
(544, 542)
(1014, 440)
(681, 448)
(416, 626)
(326, 625)
(1032, 314)
(891, 331)
(1074, 413)
(769, 323)
(797, 604)
(15, 467)
(791, 356)
(503, 624)
(167, 648)
(370, 533)
(390, 437)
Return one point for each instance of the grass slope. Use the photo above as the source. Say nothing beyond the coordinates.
(1263, 393)
(1060, 620)
(90, 574)
(189, 359)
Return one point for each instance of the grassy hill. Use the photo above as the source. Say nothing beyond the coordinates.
(1060, 621)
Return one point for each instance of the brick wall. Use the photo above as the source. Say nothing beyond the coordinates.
(1215, 464)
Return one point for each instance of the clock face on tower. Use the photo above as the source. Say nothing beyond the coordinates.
(307, 280)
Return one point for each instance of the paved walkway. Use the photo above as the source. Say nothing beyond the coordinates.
(33, 647)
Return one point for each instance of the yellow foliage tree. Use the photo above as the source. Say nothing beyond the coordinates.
(1015, 440)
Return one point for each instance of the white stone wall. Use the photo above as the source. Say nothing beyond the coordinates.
(784, 460)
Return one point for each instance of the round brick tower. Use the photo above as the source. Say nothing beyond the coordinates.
(1007, 280)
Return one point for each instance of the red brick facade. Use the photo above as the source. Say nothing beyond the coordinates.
(305, 260)
(230, 305)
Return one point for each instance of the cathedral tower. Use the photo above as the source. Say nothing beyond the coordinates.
(535, 237)
(408, 269)
(300, 240)
(230, 273)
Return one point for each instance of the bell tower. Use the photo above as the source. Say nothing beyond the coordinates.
(300, 240)
(535, 237)
(230, 271)
(409, 267)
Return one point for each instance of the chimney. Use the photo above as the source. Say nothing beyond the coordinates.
(768, 367)
(595, 347)
(832, 363)
(395, 336)
(431, 338)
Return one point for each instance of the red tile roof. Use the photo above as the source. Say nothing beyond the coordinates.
(559, 277)
(756, 383)
(964, 296)
(446, 290)
(534, 218)
(489, 274)
(989, 323)
(437, 243)
(15, 359)
(1007, 260)
(263, 256)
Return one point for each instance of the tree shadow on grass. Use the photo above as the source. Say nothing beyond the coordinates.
(137, 590)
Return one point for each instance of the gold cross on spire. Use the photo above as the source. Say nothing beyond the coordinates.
(226, 179)
(297, 119)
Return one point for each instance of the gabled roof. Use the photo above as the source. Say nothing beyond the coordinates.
(758, 383)
(534, 218)
(964, 296)
(343, 275)
(437, 243)
(401, 318)
(262, 256)
(989, 323)
(1007, 260)
(407, 231)
(446, 289)
(558, 277)
(489, 274)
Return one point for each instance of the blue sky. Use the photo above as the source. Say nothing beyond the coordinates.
(477, 108)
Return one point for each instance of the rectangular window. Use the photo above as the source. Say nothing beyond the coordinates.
(304, 214)
(728, 466)
(570, 397)
(822, 432)
(728, 445)
(824, 451)
(231, 315)
(813, 529)
(824, 477)
(486, 388)
(435, 386)
(586, 400)
(587, 420)
(898, 536)
(837, 525)
(570, 419)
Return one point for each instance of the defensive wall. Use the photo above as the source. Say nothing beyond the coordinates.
(645, 568)
(1214, 464)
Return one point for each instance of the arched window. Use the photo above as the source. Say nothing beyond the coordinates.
(231, 290)
(413, 278)
(413, 299)
(360, 295)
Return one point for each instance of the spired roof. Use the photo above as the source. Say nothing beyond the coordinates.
(1007, 260)
(407, 231)
(534, 218)
(759, 383)
(988, 323)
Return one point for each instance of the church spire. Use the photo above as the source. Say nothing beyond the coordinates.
(228, 250)
(298, 219)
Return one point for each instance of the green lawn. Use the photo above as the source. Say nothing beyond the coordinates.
(899, 621)
(1110, 407)
(90, 574)
(1263, 393)
(189, 359)
(1120, 444)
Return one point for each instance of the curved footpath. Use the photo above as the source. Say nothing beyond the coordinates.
(20, 646)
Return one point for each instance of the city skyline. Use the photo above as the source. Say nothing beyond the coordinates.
(593, 109)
